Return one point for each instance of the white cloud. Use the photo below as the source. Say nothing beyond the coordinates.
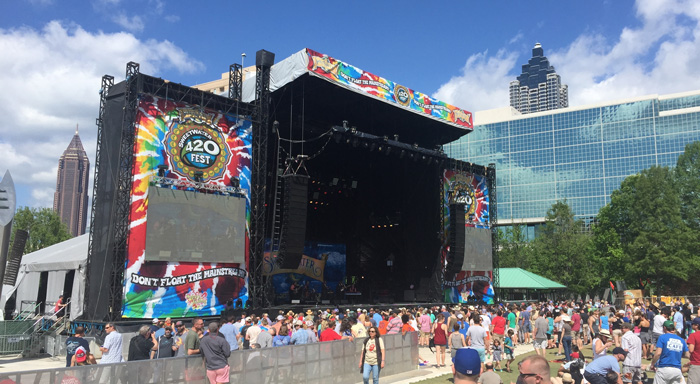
(50, 80)
(131, 24)
(659, 56)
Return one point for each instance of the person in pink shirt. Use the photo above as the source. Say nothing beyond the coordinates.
(424, 328)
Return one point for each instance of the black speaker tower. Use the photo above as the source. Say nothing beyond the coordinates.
(294, 206)
(455, 257)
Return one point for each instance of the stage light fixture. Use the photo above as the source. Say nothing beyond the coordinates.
(275, 126)
(396, 137)
(335, 181)
(235, 182)
(372, 147)
(385, 139)
(415, 145)
(161, 170)
(354, 184)
(198, 176)
(345, 124)
(388, 151)
(402, 154)
(353, 130)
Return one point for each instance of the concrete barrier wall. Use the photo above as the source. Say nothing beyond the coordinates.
(317, 363)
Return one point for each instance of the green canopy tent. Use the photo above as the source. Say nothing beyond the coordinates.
(517, 284)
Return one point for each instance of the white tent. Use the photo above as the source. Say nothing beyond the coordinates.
(58, 260)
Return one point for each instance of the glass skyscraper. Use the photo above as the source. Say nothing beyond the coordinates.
(538, 88)
(580, 154)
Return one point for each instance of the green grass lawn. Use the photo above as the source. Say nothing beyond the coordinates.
(512, 377)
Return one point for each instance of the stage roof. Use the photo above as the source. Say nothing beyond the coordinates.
(512, 278)
(318, 91)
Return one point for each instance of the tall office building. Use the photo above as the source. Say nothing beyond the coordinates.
(538, 88)
(580, 154)
(71, 198)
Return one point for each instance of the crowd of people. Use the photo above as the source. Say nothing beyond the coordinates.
(652, 331)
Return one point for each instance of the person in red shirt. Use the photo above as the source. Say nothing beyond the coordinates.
(576, 328)
(694, 349)
(329, 334)
(382, 324)
(498, 327)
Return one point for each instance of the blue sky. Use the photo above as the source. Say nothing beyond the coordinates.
(464, 52)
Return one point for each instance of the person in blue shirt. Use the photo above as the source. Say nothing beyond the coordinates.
(598, 369)
(670, 349)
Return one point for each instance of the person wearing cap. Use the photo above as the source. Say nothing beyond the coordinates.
(75, 341)
(466, 366)
(80, 357)
(154, 326)
(216, 351)
(166, 345)
(596, 371)
(600, 344)
(566, 336)
(670, 348)
(694, 349)
(112, 347)
(632, 344)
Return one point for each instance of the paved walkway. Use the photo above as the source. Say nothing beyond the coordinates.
(431, 371)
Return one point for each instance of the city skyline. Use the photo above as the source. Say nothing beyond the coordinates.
(57, 53)
(539, 87)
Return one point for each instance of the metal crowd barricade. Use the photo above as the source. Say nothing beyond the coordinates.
(317, 363)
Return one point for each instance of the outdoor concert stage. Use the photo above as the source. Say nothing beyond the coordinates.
(312, 181)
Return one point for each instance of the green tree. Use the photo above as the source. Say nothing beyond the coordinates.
(641, 234)
(687, 176)
(44, 226)
(514, 248)
(563, 251)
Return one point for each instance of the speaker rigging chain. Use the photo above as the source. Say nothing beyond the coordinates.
(305, 140)
(311, 157)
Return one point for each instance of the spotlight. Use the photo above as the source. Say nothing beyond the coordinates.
(415, 145)
(198, 176)
(275, 126)
(385, 138)
(353, 130)
(396, 137)
(235, 182)
(161, 170)
(345, 124)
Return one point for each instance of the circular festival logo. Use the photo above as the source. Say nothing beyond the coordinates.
(403, 96)
(464, 194)
(195, 147)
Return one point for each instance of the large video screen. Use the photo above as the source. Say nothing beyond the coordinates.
(477, 249)
(192, 226)
(187, 252)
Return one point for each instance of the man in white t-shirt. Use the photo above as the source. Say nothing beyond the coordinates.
(252, 333)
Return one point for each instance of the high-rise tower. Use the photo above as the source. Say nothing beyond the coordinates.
(71, 198)
(538, 88)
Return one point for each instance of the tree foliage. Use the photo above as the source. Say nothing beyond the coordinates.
(562, 251)
(44, 226)
(514, 248)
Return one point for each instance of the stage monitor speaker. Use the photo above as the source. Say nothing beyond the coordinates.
(294, 206)
(455, 257)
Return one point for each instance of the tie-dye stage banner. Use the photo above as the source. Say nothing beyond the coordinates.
(182, 142)
(356, 79)
(473, 282)
(471, 190)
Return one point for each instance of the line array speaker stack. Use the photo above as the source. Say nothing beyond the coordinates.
(455, 257)
(294, 206)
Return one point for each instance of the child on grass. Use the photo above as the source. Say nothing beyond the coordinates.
(508, 349)
(497, 351)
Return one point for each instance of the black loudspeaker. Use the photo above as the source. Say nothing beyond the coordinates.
(455, 257)
(264, 58)
(294, 205)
